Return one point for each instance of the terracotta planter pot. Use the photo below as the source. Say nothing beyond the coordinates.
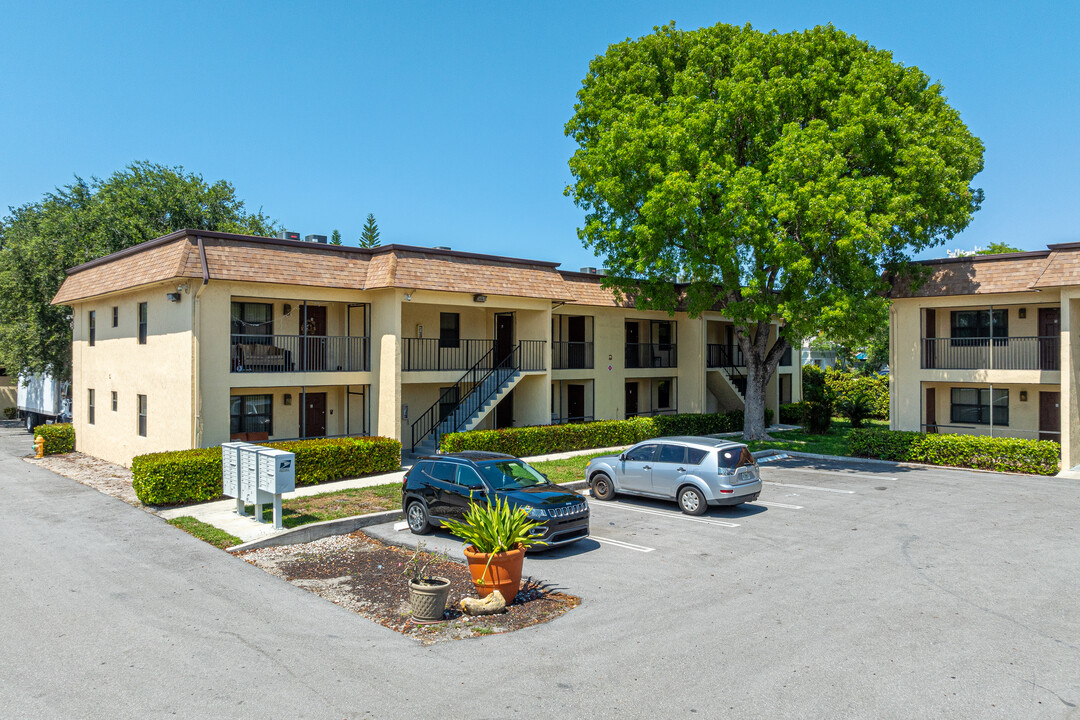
(428, 600)
(503, 574)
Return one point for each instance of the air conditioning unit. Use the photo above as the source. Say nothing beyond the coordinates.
(288, 235)
(321, 239)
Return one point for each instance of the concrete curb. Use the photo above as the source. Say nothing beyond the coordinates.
(341, 526)
(317, 531)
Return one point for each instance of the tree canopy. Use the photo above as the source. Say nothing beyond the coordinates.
(86, 220)
(369, 236)
(779, 176)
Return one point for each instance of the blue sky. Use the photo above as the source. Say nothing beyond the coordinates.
(445, 119)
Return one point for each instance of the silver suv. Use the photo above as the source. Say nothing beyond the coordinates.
(694, 471)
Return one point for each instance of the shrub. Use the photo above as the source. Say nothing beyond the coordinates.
(184, 476)
(10, 413)
(544, 439)
(856, 406)
(817, 416)
(846, 387)
(59, 437)
(1039, 457)
(792, 413)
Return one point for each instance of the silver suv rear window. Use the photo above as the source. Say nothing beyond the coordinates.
(734, 457)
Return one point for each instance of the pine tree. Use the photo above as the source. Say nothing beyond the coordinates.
(335, 238)
(369, 237)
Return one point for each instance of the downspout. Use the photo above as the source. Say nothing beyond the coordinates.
(196, 375)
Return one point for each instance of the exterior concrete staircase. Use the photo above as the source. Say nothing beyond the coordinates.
(472, 409)
(721, 382)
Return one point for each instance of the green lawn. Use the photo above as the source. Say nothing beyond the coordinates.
(568, 470)
(333, 505)
(833, 442)
(205, 532)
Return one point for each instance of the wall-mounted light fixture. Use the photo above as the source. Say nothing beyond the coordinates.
(479, 298)
(286, 399)
(286, 309)
(1021, 313)
(173, 297)
(408, 297)
(1023, 396)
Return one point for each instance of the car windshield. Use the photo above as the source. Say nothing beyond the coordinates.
(510, 474)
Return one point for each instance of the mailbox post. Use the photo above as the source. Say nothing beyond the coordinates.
(258, 475)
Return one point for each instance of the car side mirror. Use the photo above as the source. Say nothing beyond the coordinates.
(622, 458)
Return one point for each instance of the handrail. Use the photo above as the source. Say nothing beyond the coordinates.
(460, 393)
(1038, 352)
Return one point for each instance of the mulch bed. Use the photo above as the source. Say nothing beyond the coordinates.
(364, 575)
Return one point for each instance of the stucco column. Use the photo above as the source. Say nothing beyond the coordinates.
(386, 364)
(1070, 381)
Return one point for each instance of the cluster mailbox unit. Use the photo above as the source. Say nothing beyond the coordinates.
(258, 475)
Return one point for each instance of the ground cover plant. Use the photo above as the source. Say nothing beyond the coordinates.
(363, 575)
(205, 532)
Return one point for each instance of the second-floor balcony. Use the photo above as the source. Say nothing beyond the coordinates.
(729, 356)
(571, 355)
(999, 353)
(299, 353)
(652, 355)
(459, 355)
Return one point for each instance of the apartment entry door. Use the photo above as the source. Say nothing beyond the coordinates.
(633, 355)
(1050, 416)
(314, 353)
(504, 338)
(575, 327)
(575, 403)
(1049, 338)
(631, 399)
(315, 414)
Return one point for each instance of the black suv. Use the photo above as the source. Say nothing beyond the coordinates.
(441, 487)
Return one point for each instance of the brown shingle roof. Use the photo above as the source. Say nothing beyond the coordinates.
(981, 275)
(176, 258)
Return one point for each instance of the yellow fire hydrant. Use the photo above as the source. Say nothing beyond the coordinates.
(39, 447)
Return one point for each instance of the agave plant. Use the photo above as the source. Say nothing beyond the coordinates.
(495, 527)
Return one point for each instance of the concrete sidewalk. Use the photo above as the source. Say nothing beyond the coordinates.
(222, 513)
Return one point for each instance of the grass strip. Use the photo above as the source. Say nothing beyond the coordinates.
(308, 509)
(834, 442)
(205, 532)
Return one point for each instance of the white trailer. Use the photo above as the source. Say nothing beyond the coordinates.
(42, 399)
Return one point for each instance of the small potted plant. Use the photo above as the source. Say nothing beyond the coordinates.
(496, 538)
(427, 593)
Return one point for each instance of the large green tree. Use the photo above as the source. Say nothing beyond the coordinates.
(86, 220)
(779, 175)
(369, 236)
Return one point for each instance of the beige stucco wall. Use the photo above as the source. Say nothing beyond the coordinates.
(8, 391)
(160, 369)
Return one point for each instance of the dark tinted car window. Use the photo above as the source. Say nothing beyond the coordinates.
(420, 469)
(694, 456)
(641, 454)
(468, 477)
(442, 471)
(672, 453)
(735, 457)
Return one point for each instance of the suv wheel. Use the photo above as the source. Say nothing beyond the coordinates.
(602, 487)
(417, 517)
(691, 501)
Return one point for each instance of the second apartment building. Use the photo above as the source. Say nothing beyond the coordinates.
(198, 337)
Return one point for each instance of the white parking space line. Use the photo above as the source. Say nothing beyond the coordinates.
(841, 473)
(662, 513)
(779, 505)
(620, 543)
(807, 487)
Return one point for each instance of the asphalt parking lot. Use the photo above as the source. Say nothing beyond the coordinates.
(846, 590)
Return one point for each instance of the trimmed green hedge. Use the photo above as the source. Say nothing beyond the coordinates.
(846, 385)
(184, 476)
(59, 437)
(1038, 457)
(544, 439)
(792, 413)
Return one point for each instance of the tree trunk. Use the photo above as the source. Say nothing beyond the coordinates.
(761, 364)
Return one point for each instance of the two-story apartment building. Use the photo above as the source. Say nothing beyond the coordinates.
(197, 337)
(985, 346)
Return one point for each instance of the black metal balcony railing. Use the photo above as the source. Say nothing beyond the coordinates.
(571, 355)
(999, 353)
(651, 355)
(729, 356)
(434, 354)
(299, 353)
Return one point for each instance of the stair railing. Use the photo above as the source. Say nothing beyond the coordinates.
(468, 395)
